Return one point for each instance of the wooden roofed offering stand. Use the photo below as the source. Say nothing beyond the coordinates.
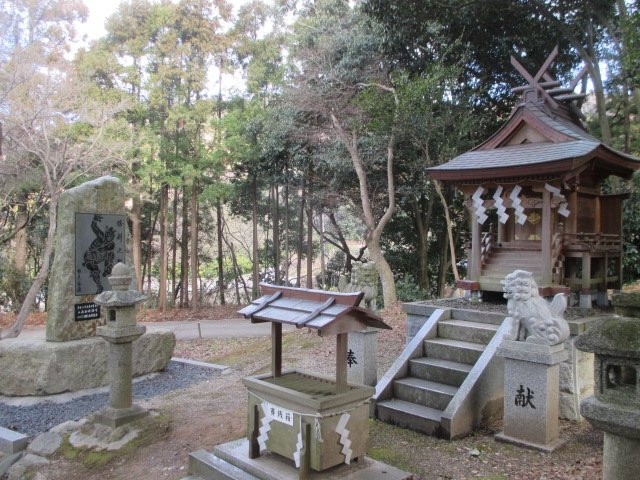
(534, 194)
(317, 422)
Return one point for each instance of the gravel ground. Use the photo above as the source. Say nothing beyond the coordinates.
(42, 416)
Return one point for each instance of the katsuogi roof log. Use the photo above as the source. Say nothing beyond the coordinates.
(330, 313)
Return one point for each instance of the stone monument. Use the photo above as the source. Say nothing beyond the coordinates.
(120, 331)
(531, 367)
(91, 237)
(615, 407)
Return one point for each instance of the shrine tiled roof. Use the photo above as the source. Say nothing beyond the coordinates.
(316, 309)
(519, 155)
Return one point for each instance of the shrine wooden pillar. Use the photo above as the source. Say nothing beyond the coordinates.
(572, 221)
(546, 238)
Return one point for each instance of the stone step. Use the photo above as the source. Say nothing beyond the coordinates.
(424, 392)
(409, 415)
(466, 331)
(454, 350)
(478, 316)
(208, 466)
(439, 370)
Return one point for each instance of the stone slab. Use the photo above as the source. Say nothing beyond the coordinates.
(548, 448)
(533, 352)
(117, 417)
(36, 367)
(11, 441)
(104, 195)
(45, 444)
(275, 467)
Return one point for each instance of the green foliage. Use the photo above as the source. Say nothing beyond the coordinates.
(13, 285)
(408, 290)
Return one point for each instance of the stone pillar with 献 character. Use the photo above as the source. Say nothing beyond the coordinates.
(532, 357)
(120, 332)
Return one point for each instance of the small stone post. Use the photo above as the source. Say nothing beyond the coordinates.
(532, 364)
(615, 407)
(120, 331)
(361, 357)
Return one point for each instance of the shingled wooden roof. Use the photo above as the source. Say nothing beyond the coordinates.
(543, 137)
(328, 312)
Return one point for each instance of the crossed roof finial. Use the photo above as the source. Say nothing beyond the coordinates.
(550, 88)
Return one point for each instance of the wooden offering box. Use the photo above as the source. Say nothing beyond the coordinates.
(315, 421)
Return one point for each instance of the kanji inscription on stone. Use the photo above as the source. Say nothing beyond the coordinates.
(99, 246)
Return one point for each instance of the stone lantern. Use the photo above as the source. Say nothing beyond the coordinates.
(615, 407)
(120, 331)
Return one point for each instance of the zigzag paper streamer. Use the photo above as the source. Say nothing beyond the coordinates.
(515, 203)
(478, 203)
(502, 210)
(562, 207)
(344, 437)
(265, 427)
(298, 452)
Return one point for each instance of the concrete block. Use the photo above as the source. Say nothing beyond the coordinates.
(11, 441)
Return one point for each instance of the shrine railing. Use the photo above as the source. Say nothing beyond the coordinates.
(592, 242)
(486, 247)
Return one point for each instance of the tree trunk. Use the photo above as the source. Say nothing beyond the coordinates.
(276, 234)
(444, 261)
(136, 237)
(452, 247)
(220, 257)
(323, 269)
(184, 250)
(27, 304)
(422, 220)
(195, 226)
(309, 234)
(285, 267)
(255, 290)
(162, 291)
(174, 250)
(300, 236)
(22, 217)
(374, 229)
(384, 270)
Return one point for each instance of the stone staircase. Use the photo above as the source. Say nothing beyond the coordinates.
(419, 394)
(504, 260)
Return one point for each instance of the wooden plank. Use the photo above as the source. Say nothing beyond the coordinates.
(350, 299)
(317, 311)
(276, 349)
(341, 362)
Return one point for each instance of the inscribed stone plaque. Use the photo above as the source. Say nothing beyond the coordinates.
(99, 246)
(86, 311)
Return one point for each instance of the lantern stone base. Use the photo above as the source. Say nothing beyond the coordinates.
(116, 417)
(531, 394)
(231, 460)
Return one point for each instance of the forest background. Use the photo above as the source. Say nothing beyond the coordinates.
(315, 161)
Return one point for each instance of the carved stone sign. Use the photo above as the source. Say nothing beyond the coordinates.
(99, 246)
(86, 311)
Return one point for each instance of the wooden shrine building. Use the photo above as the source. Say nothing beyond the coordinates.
(534, 194)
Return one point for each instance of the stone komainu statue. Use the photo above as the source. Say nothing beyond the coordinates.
(534, 320)
(364, 278)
